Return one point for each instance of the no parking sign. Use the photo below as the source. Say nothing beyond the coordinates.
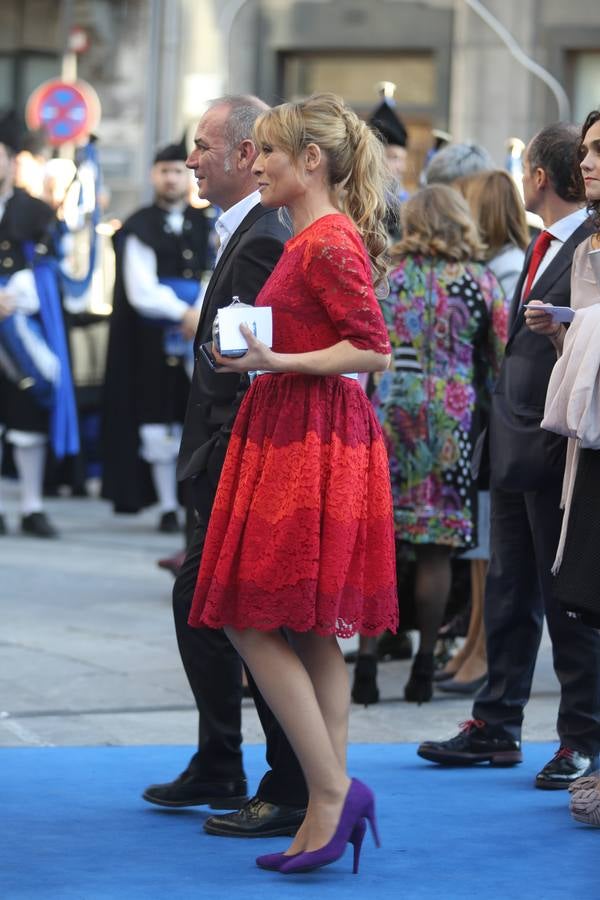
(66, 111)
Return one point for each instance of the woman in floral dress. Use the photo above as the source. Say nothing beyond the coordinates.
(446, 318)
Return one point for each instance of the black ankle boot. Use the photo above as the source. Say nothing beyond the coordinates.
(364, 688)
(419, 687)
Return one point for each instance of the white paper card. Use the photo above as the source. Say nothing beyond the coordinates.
(259, 319)
(558, 313)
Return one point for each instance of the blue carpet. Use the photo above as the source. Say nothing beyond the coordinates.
(74, 828)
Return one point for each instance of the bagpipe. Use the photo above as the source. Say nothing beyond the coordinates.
(34, 355)
(174, 343)
(26, 357)
(34, 349)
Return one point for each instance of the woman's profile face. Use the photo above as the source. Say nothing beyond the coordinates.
(590, 162)
(278, 177)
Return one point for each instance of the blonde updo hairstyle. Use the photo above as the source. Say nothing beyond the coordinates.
(436, 221)
(356, 167)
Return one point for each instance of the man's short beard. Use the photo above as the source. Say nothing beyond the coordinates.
(164, 198)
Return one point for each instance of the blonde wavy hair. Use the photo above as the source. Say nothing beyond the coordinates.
(358, 176)
(436, 221)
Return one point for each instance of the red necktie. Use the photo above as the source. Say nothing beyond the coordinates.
(539, 251)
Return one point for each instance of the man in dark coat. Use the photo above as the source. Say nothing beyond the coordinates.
(162, 254)
(251, 241)
(526, 466)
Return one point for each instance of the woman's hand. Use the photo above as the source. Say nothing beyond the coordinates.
(258, 358)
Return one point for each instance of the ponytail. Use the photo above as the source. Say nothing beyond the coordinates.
(357, 168)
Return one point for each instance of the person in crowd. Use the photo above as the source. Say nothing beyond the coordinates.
(499, 214)
(452, 165)
(394, 135)
(37, 405)
(387, 124)
(526, 466)
(447, 322)
(251, 242)
(457, 161)
(301, 531)
(162, 254)
(574, 377)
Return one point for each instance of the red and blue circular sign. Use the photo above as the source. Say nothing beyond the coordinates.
(66, 111)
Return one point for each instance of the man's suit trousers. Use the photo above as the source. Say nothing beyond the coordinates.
(525, 528)
(214, 671)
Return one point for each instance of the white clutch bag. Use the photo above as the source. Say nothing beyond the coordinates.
(227, 337)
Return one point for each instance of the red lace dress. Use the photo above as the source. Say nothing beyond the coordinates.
(301, 532)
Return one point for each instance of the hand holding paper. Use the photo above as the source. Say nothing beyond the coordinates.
(556, 313)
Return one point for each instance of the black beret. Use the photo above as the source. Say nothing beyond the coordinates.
(172, 152)
(391, 129)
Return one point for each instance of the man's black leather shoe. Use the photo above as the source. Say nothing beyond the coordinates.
(257, 819)
(564, 768)
(475, 743)
(190, 790)
(39, 525)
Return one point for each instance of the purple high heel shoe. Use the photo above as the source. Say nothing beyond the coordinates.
(274, 861)
(358, 806)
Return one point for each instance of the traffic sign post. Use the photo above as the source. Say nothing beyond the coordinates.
(66, 111)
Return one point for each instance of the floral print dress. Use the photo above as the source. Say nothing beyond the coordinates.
(447, 323)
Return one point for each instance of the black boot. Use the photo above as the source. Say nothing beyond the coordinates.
(419, 687)
(364, 688)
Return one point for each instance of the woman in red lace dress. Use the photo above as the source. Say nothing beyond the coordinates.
(301, 532)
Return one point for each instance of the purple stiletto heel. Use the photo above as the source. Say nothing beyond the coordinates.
(359, 805)
(356, 839)
(274, 861)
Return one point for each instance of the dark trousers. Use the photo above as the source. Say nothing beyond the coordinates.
(214, 671)
(525, 529)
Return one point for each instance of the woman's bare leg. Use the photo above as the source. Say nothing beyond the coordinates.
(324, 662)
(288, 688)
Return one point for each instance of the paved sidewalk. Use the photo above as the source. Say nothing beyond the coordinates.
(89, 655)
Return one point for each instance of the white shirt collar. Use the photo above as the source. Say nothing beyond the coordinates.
(233, 217)
(563, 228)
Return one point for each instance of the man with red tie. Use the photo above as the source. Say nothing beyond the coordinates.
(526, 469)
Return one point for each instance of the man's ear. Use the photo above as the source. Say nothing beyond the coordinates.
(246, 154)
(541, 178)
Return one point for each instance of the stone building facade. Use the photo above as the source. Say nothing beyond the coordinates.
(155, 63)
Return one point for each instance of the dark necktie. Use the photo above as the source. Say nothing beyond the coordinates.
(539, 251)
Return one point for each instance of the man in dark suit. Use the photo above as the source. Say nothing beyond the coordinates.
(526, 466)
(251, 242)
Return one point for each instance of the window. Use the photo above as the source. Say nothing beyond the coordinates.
(585, 68)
